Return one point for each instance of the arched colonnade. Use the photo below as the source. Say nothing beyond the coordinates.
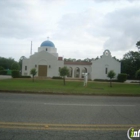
(76, 72)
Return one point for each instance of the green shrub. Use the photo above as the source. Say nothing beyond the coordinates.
(4, 72)
(122, 77)
(138, 75)
(56, 77)
(15, 66)
(24, 76)
(15, 74)
(1, 70)
(105, 80)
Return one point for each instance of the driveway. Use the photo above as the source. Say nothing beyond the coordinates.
(5, 77)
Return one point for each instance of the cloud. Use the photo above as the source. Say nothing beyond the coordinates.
(115, 0)
(26, 19)
(76, 26)
(117, 30)
(122, 28)
(13, 15)
(73, 26)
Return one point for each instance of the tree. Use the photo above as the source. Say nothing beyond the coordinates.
(111, 74)
(130, 64)
(87, 60)
(6, 62)
(78, 60)
(1, 70)
(64, 72)
(33, 72)
(15, 66)
(138, 45)
(20, 61)
(97, 58)
(138, 75)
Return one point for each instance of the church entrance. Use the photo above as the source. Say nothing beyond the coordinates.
(42, 70)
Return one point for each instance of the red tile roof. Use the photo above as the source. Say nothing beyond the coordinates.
(77, 63)
(60, 58)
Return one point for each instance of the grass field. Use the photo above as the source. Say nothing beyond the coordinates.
(71, 87)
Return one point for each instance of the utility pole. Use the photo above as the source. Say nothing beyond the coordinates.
(31, 49)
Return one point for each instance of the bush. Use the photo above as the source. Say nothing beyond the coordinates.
(105, 80)
(15, 66)
(138, 74)
(1, 68)
(15, 74)
(24, 76)
(3, 72)
(56, 77)
(122, 77)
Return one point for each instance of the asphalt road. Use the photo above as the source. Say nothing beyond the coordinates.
(59, 117)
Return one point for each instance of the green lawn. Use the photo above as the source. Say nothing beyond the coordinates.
(72, 87)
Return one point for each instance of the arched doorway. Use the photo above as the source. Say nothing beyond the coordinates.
(77, 72)
(70, 72)
(84, 70)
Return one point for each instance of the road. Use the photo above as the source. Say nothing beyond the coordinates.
(59, 117)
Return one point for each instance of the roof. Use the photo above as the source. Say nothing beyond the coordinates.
(47, 43)
(77, 63)
(60, 58)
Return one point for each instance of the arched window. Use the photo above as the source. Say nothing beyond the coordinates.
(106, 69)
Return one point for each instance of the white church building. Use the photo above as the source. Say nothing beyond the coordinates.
(47, 63)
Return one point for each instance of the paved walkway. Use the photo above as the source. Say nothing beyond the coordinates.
(5, 77)
(131, 81)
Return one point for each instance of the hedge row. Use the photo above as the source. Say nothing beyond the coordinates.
(120, 78)
(24, 76)
(56, 77)
(16, 74)
(3, 72)
(105, 80)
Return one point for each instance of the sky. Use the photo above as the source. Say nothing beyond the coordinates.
(79, 28)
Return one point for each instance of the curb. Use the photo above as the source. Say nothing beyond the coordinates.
(74, 94)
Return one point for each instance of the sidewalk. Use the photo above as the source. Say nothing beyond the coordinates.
(132, 81)
(5, 77)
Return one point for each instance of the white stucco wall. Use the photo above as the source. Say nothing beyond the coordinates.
(51, 50)
(81, 67)
(99, 66)
(96, 70)
(25, 62)
(60, 64)
(42, 58)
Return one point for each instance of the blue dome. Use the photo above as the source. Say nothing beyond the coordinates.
(47, 43)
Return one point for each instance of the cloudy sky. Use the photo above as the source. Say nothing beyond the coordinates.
(78, 28)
